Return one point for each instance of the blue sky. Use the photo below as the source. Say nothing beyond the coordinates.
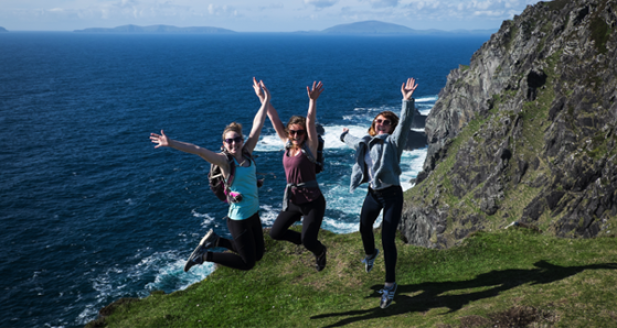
(256, 16)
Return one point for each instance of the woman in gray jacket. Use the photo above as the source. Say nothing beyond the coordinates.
(377, 159)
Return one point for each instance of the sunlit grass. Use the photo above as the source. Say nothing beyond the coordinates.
(566, 283)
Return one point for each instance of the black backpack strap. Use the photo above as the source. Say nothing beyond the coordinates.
(232, 171)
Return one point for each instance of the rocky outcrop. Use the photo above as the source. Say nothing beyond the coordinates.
(2, 29)
(415, 140)
(419, 121)
(526, 133)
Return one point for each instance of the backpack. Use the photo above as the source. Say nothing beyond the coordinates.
(217, 182)
(319, 160)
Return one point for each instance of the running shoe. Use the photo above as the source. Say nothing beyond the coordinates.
(387, 295)
(320, 261)
(369, 260)
(210, 240)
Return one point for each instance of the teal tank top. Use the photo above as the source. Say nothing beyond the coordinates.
(245, 183)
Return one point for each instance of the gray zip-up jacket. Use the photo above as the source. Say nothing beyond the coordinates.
(385, 151)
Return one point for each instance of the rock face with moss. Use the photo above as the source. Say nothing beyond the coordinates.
(526, 133)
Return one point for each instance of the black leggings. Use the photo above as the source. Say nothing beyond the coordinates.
(313, 213)
(248, 243)
(391, 201)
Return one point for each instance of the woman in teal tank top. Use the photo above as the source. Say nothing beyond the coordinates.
(243, 219)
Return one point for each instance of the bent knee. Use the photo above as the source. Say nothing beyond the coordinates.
(276, 235)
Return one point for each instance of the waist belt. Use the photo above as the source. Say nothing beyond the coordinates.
(308, 184)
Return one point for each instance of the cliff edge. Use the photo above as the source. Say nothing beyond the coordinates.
(525, 133)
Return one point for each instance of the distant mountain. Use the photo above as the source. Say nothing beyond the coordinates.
(377, 27)
(369, 27)
(2, 29)
(156, 29)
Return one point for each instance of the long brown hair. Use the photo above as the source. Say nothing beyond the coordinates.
(389, 116)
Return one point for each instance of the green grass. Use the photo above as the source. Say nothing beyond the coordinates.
(490, 276)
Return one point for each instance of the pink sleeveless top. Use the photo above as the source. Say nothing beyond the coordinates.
(299, 169)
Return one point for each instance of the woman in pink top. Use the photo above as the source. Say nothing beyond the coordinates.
(302, 195)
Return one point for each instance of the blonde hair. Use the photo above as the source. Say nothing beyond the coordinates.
(389, 116)
(235, 127)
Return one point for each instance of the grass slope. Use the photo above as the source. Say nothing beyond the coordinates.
(509, 278)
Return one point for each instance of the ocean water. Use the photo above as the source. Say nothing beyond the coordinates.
(90, 212)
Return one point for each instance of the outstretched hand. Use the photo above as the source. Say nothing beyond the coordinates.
(408, 89)
(161, 140)
(315, 91)
(260, 90)
(345, 130)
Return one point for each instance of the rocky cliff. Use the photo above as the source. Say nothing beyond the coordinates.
(526, 133)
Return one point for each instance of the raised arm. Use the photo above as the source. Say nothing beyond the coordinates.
(399, 136)
(311, 116)
(277, 124)
(163, 141)
(260, 117)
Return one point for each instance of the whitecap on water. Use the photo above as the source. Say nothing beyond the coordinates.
(208, 219)
(427, 99)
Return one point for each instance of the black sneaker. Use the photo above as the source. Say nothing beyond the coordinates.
(210, 240)
(387, 295)
(320, 261)
(369, 260)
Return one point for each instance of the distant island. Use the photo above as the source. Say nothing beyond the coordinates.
(369, 27)
(377, 27)
(2, 29)
(359, 28)
(157, 29)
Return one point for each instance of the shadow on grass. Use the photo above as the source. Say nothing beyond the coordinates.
(430, 296)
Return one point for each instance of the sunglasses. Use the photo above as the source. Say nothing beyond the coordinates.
(297, 132)
(236, 140)
(384, 122)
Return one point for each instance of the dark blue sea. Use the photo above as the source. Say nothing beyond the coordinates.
(90, 212)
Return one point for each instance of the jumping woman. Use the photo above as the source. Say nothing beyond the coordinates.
(377, 159)
(302, 196)
(243, 219)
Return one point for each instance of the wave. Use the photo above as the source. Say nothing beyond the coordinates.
(118, 282)
(411, 165)
(427, 99)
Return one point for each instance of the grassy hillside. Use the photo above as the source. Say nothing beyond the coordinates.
(508, 278)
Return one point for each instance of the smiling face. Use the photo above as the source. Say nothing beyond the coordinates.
(382, 125)
(233, 142)
(296, 134)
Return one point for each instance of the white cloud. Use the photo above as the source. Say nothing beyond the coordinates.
(221, 10)
(492, 13)
(383, 3)
(481, 5)
(321, 3)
